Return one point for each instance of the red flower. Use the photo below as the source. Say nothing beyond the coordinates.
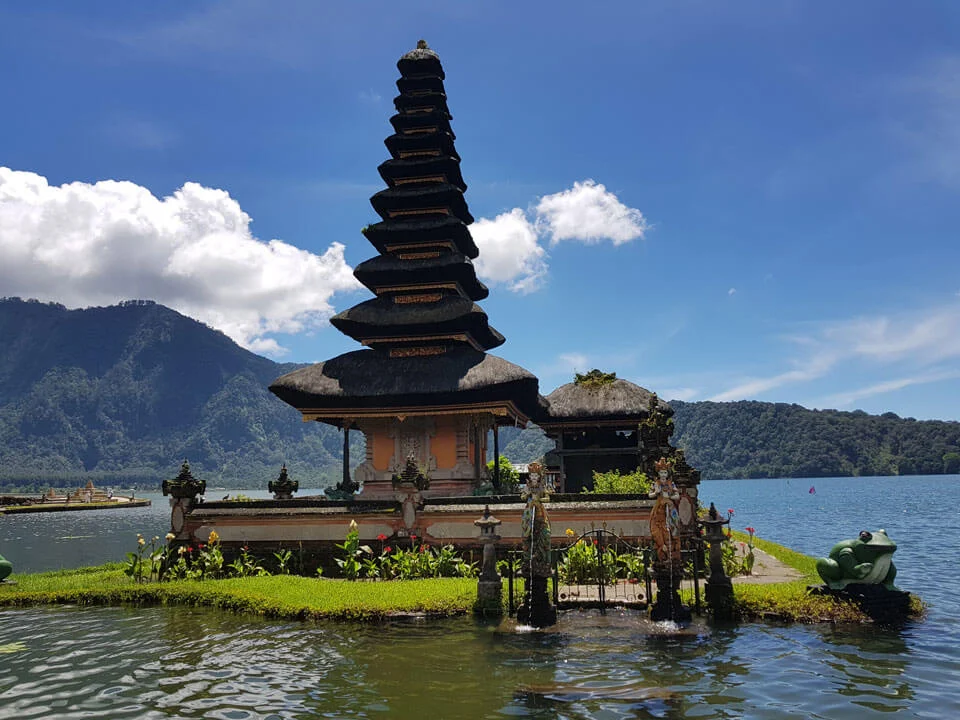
(200, 546)
(189, 548)
(413, 537)
(730, 511)
(387, 549)
(423, 548)
(245, 548)
(381, 537)
(751, 530)
(595, 541)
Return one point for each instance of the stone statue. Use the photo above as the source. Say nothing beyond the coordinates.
(6, 567)
(664, 518)
(867, 560)
(536, 609)
(535, 526)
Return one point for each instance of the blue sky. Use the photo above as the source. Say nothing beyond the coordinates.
(752, 200)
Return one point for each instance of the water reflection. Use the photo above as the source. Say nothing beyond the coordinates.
(869, 667)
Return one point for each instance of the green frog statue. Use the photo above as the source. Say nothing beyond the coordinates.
(868, 560)
(6, 567)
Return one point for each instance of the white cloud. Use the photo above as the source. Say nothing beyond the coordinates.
(732, 291)
(845, 399)
(511, 252)
(90, 244)
(920, 339)
(589, 213)
(679, 393)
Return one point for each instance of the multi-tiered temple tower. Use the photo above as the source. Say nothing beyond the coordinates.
(426, 388)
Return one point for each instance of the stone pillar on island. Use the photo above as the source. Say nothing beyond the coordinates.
(183, 491)
(490, 585)
(719, 589)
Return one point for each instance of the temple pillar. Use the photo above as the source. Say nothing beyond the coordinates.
(496, 457)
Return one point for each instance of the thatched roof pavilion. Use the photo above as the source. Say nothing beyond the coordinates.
(602, 423)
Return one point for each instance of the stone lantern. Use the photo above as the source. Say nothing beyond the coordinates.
(719, 589)
(283, 487)
(490, 587)
(183, 491)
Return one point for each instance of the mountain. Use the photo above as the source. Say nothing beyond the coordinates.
(127, 392)
(123, 394)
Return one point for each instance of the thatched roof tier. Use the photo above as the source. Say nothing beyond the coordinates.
(420, 170)
(420, 61)
(381, 318)
(616, 401)
(413, 103)
(426, 144)
(442, 197)
(435, 120)
(385, 272)
(387, 236)
(416, 84)
(370, 380)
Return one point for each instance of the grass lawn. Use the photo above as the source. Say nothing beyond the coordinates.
(277, 596)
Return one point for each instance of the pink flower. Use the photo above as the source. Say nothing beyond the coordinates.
(381, 537)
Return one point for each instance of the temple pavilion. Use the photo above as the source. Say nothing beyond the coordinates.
(424, 392)
(602, 423)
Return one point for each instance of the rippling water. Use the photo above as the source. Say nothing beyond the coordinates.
(180, 662)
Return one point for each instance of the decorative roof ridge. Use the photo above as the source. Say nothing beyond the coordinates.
(421, 52)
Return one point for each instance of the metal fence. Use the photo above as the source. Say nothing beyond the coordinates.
(600, 569)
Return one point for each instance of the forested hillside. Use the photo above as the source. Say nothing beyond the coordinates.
(125, 393)
(756, 439)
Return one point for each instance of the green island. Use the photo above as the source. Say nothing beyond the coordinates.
(291, 597)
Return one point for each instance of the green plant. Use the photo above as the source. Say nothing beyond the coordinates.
(614, 483)
(134, 564)
(353, 551)
(246, 565)
(594, 379)
(582, 564)
(509, 477)
(283, 561)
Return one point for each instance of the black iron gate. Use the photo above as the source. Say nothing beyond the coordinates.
(599, 569)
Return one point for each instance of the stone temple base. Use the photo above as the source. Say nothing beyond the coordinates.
(884, 606)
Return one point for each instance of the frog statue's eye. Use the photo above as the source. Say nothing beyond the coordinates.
(865, 536)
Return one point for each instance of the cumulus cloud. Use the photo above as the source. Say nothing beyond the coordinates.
(91, 244)
(510, 252)
(511, 249)
(588, 212)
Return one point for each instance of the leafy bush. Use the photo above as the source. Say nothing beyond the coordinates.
(509, 478)
(614, 483)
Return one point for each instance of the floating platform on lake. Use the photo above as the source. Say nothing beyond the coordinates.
(40, 507)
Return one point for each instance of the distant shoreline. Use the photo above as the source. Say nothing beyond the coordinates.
(70, 507)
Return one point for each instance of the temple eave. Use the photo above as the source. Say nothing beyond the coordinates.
(337, 416)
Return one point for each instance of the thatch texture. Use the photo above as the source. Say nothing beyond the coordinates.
(619, 399)
(387, 270)
(371, 379)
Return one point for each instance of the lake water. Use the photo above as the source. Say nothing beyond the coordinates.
(181, 662)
